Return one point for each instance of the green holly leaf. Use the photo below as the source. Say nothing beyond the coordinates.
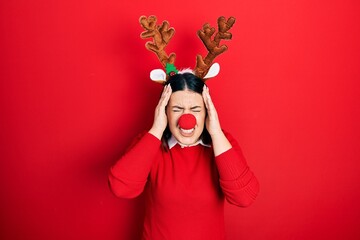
(170, 68)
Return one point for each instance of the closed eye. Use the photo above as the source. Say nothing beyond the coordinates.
(177, 109)
(196, 109)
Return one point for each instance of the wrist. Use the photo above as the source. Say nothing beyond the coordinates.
(156, 132)
(217, 133)
(220, 143)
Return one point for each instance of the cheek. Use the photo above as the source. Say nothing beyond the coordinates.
(200, 119)
(172, 118)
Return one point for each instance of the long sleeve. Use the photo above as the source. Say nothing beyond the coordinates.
(237, 181)
(127, 178)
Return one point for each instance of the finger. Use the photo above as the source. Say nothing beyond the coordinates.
(164, 91)
(162, 97)
(208, 102)
(205, 97)
(165, 96)
(168, 94)
(211, 110)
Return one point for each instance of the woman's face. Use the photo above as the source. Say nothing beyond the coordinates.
(182, 102)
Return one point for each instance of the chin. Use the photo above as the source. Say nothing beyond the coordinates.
(187, 141)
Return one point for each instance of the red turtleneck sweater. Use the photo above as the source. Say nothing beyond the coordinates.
(185, 187)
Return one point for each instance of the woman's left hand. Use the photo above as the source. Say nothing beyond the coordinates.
(212, 120)
(219, 141)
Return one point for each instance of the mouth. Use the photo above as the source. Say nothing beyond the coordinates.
(187, 132)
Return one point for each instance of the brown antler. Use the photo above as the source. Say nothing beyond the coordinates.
(161, 36)
(205, 34)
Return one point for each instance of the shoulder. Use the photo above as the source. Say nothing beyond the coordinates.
(137, 138)
(146, 138)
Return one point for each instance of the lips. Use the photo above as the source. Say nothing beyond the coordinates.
(187, 132)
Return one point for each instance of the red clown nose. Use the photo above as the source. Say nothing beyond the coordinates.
(187, 121)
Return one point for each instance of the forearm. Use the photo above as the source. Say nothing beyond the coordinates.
(220, 143)
(237, 181)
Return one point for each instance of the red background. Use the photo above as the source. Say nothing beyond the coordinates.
(75, 90)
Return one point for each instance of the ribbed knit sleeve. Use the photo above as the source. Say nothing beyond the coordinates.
(237, 181)
(127, 178)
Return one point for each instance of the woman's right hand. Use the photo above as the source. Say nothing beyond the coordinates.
(160, 118)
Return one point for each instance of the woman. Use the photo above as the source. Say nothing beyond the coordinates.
(186, 172)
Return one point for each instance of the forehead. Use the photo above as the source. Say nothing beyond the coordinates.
(186, 98)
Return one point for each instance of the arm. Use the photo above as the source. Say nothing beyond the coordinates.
(238, 183)
(127, 178)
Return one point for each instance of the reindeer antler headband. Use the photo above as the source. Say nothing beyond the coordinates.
(162, 34)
